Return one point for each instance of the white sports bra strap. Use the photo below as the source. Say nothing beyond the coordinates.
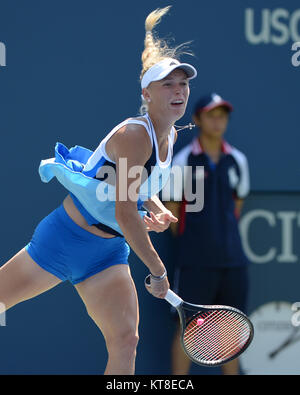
(116, 128)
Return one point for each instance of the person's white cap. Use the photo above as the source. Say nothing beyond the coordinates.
(163, 68)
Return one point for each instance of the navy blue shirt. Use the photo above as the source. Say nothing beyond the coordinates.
(211, 236)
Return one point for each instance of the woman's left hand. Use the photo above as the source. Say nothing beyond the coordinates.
(159, 222)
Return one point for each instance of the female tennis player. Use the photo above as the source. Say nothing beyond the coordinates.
(85, 240)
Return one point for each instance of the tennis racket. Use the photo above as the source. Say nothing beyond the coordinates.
(211, 335)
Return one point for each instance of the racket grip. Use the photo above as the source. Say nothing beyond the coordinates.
(173, 299)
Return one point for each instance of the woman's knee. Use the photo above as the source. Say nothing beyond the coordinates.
(123, 343)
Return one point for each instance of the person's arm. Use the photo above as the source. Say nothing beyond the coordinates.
(161, 216)
(238, 207)
(243, 187)
(133, 145)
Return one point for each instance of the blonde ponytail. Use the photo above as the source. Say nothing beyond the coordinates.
(157, 49)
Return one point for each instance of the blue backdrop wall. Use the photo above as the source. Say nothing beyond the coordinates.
(69, 72)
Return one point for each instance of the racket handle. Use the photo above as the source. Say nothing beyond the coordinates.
(173, 299)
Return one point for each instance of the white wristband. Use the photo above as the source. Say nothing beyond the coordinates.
(159, 278)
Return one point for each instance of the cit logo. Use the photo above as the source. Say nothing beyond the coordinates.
(285, 222)
(2, 55)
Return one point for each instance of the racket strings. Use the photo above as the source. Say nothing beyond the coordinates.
(210, 323)
(214, 352)
(207, 345)
(220, 335)
(221, 349)
(210, 326)
(211, 352)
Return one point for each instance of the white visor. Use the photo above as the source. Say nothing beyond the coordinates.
(163, 68)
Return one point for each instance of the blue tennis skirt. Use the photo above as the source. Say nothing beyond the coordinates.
(70, 252)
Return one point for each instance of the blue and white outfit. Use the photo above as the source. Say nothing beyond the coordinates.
(65, 249)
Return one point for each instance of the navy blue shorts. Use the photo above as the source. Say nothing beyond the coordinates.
(204, 285)
(70, 252)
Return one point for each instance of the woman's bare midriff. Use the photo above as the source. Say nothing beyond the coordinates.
(77, 217)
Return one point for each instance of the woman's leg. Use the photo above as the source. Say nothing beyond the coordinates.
(181, 364)
(111, 301)
(21, 279)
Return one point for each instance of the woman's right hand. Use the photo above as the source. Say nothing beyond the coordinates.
(159, 222)
(158, 288)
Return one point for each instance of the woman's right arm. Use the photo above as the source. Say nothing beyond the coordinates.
(130, 148)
